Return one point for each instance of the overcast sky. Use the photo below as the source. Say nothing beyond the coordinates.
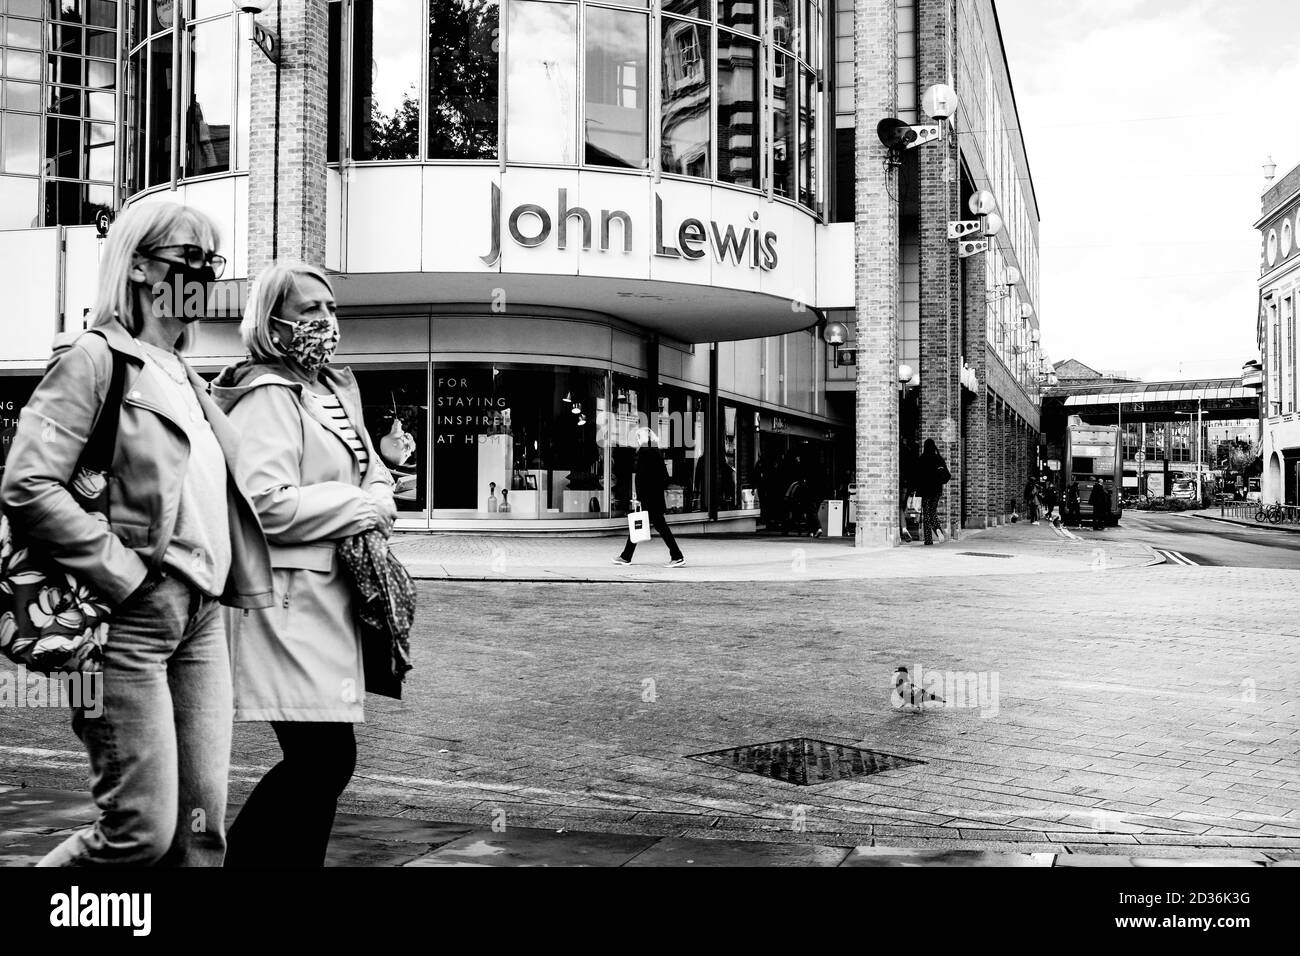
(1146, 124)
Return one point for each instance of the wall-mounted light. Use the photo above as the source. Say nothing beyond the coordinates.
(939, 102)
(982, 202)
(908, 377)
(1026, 310)
(268, 41)
(835, 333)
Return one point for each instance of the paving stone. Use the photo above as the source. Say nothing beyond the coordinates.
(685, 851)
(892, 856)
(523, 847)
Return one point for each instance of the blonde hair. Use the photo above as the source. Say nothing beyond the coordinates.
(139, 227)
(265, 298)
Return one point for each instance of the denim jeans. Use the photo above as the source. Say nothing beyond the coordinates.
(160, 751)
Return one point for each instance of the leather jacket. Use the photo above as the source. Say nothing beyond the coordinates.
(145, 481)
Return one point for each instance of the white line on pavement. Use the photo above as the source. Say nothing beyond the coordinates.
(1175, 557)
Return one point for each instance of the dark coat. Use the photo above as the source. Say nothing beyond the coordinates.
(931, 475)
(651, 478)
(1099, 497)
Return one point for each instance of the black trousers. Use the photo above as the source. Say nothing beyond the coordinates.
(659, 522)
(290, 813)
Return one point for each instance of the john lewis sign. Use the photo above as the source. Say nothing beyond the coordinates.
(530, 225)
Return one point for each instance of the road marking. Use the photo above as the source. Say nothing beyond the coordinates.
(1175, 557)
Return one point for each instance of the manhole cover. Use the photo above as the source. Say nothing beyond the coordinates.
(984, 554)
(804, 760)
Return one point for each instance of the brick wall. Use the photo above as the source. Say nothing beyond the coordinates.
(940, 320)
(975, 431)
(286, 189)
(875, 276)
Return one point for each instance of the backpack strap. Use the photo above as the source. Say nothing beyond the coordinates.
(98, 453)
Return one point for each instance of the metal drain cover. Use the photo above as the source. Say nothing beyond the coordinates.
(804, 761)
(984, 554)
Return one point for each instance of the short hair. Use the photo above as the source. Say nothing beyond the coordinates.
(143, 225)
(265, 298)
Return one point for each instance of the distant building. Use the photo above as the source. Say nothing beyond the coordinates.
(1279, 297)
(1158, 421)
(1074, 372)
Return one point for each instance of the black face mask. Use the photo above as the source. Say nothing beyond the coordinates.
(183, 292)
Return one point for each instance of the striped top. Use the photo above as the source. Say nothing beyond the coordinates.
(333, 410)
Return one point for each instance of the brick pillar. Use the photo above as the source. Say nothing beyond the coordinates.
(286, 182)
(940, 320)
(975, 432)
(999, 475)
(991, 454)
(876, 275)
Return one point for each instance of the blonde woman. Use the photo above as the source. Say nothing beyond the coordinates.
(181, 538)
(315, 478)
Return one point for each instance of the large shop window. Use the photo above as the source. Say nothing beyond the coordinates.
(684, 124)
(520, 442)
(680, 429)
(541, 83)
(464, 44)
(387, 36)
(616, 88)
(395, 405)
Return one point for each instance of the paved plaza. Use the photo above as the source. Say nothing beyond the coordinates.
(1093, 702)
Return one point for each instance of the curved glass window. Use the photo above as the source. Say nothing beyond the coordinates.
(616, 81)
(386, 46)
(684, 141)
(739, 120)
(209, 115)
(542, 82)
(464, 65)
(724, 90)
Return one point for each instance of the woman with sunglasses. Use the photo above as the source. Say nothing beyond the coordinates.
(181, 539)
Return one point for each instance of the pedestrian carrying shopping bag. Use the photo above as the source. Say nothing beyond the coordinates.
(51, 622)
(638, 524)
(914, 503)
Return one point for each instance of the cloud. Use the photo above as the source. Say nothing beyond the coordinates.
(1146, 125)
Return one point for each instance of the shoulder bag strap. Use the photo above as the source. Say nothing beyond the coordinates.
(98, 453)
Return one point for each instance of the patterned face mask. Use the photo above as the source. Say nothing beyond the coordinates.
(313, 342)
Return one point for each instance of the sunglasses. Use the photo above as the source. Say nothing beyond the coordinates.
(193, 257)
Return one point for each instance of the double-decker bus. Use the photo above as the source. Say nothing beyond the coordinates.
(1092, 454)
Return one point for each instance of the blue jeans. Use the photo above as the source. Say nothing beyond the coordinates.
(160, 751)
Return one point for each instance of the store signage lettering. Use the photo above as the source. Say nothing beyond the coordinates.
(466, 412)
(690, 239)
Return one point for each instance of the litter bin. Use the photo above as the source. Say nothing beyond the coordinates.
(830, 515)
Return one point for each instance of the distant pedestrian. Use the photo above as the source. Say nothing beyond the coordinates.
(316, 479)
(650, 481)
(931, 475)
(1031, 499)
(1099, 499)
(1050, 503)
(1073, 507)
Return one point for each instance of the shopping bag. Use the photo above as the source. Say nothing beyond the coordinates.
(638, 525)
(914, 503)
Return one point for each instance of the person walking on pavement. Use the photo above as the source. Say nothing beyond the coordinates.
(650, 479)
(316, 480)
(1073, 510)
(931, 475)
(1099, 499)
(1031, 499)
(180, 540)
